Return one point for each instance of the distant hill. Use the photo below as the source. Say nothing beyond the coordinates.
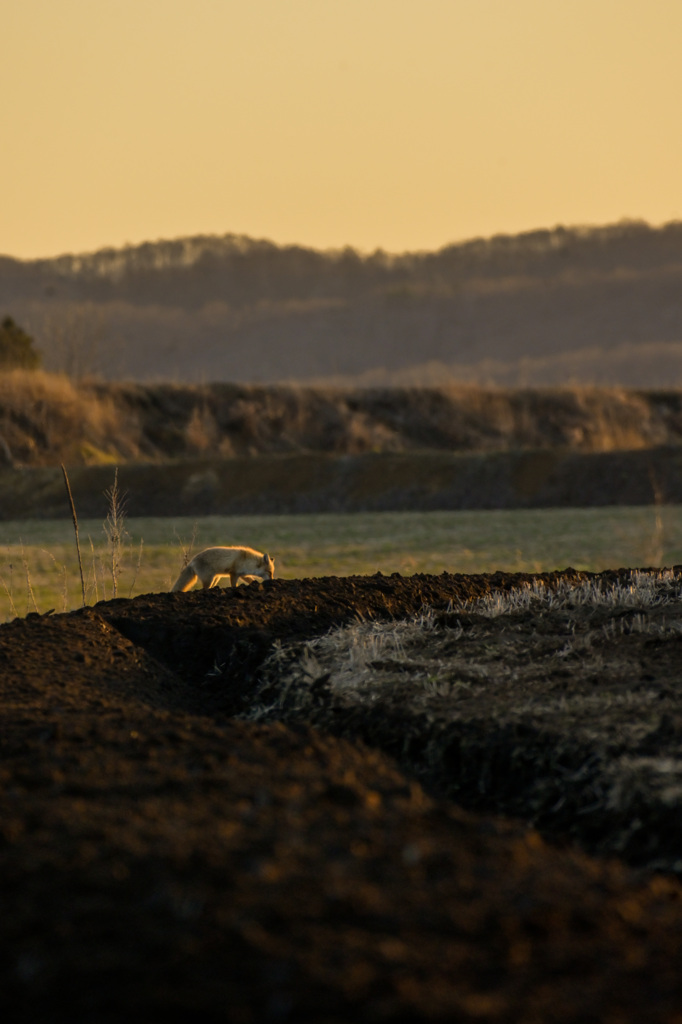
(568, 305)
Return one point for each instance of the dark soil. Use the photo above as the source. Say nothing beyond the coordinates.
(160, 857)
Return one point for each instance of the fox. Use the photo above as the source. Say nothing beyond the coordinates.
(212, 564)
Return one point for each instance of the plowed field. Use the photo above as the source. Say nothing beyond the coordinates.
(198, 819)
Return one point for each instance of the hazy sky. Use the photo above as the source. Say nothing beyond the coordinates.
(401, 124)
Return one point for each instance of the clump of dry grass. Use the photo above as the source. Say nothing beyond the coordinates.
(115, 529)
(47, 418)
(201, 431)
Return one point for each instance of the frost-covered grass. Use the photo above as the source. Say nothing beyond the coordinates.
(556, 704)
(643, 590)
(494, 638)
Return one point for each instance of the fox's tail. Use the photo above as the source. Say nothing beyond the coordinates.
(186, 579)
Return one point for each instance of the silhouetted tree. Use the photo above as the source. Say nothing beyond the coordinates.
(16, 348)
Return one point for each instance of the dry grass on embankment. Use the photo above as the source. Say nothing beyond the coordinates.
(46, 419)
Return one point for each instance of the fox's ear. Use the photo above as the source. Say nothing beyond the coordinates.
(266, 558)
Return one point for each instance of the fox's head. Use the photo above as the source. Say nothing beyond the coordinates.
(269, 565)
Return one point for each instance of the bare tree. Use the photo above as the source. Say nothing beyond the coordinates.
(72, 336)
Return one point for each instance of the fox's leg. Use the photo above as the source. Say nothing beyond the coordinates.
(234, 578)
(209, 581)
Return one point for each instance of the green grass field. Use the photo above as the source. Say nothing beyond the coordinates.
(39, 566)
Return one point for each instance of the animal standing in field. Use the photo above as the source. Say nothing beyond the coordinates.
(212, 564)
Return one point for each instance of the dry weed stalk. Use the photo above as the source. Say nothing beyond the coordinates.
(94, 568)
(114, 527)
(74, 518)
(30, 596)
(137, 567)
(62, 570)
(8, 590)
(655, 551)
(187, 549)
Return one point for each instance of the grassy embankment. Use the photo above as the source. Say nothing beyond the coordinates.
(47, 419)
(39, 568)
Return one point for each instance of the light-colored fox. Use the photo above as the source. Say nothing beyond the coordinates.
(213, 563)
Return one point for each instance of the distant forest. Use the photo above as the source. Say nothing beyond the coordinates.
(594, 305)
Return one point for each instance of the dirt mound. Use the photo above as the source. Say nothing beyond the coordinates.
(159, 855)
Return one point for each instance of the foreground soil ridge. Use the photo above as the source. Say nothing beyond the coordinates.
(204, 807)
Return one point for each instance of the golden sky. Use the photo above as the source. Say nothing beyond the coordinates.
(400, 124)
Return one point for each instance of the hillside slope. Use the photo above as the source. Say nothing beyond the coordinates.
(47, 419)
